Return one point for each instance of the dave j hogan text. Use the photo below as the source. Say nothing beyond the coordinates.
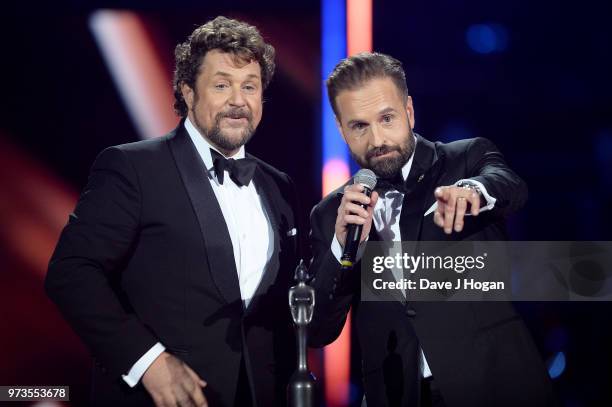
(467, 284)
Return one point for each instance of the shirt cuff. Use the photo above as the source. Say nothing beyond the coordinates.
(488, 198)
(141, 366)
(337, 249)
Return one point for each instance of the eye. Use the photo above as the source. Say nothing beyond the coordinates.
(387, 118)
(250, 88)
(359, 126)
(221, 86)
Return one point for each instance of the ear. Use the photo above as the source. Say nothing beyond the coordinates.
(410, 111)
(339, 125)
(188, 94)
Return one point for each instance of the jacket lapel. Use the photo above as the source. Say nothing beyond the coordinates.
(215, 234)
(420, 184)
(267, 190)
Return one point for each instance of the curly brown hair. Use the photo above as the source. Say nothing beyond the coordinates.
(228, 35)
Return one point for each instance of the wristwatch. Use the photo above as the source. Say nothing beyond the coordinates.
(470, 185)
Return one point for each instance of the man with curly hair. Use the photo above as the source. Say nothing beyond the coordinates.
(175, 265)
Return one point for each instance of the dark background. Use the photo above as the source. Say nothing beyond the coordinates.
(544, 96)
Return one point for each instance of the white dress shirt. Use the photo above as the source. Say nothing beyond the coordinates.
(249, 228)
(386, 218)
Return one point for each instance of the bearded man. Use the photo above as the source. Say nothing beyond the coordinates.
(175, 265)
(414, 353)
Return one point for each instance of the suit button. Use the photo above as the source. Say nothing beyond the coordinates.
(410, 311)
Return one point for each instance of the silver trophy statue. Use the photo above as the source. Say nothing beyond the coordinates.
(301, 389)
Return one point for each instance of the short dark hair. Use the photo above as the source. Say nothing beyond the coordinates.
(227, 35)
(354, 71)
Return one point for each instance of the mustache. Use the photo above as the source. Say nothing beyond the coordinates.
(235, 113)
(384, 149)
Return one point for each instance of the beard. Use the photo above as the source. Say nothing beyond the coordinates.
(387, 167)
(215, 135)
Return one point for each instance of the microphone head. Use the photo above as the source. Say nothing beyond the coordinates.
(365, 177)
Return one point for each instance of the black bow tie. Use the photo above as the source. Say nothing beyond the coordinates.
(241, 171)
(394, 183)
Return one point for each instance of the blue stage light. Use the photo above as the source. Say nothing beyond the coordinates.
(487, 38)
(455, 131)
(557, 365)
(333, 49)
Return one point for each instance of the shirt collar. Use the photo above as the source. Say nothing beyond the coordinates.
(203, 145)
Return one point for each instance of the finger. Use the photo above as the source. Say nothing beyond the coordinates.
(353, 187)
(186, 402)
(354, 219)
(183, 391)
(475, 203)
(373, 199)
(460, 213)
(438, 193)
(354, 209)
(368, 225)
(354, 196)
(195, 393)
(157, 400)
(168, 400)
(195, 376)
(440, 206)
(442, 194)
(198, 397)
(449, 215)
(186, 383)
(439, 213)
(439, 219)
(370, 211)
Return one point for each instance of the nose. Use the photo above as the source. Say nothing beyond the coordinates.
(376, 137)
(237, 98)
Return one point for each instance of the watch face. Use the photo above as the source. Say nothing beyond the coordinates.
(469, 185)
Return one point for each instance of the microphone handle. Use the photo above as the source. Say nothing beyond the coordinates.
(353, 236)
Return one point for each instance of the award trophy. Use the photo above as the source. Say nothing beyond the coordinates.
(301, 389)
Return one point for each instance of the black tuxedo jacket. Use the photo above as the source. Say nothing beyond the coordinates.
(480, 354)
(146, 257)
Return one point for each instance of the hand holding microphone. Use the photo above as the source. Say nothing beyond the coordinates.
(354, 220)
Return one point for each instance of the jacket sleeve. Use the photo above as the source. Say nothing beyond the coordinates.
(86, 265)
(334, 288)
(486, 164)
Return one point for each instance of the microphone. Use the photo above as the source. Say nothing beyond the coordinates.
(367, 179)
